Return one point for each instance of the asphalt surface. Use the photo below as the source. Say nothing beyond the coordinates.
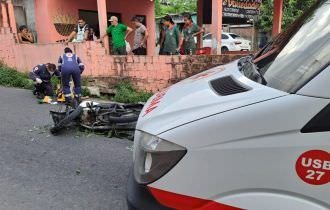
(41, 171)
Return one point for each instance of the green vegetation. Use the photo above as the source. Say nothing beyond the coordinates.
(85, 91)
(175, 7)
(84, 81)
(126, 93)
(55, 81)
(9, 77)
(291, 11)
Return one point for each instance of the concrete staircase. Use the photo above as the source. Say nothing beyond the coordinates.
(4, 30)
(7, 45)
(7, 36)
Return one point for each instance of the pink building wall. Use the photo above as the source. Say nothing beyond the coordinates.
(47, 9)
(151, 73)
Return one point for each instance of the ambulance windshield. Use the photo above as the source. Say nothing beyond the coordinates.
(300, 52)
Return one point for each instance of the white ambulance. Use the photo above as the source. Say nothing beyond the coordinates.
(252, 134)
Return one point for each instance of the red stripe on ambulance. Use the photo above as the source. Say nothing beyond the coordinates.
(155, 102)
(184, 202)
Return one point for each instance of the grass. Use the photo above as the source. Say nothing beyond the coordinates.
(126, 93)
(9, 77)
(84, 91)
(55, 81)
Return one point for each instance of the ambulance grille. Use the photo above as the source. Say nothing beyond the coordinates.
(225, 86)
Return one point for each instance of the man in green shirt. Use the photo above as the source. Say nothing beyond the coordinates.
(119, 33)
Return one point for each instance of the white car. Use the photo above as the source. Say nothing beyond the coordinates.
(229, 42)
(253, 134)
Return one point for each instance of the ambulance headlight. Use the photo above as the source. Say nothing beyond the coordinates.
(154, 157)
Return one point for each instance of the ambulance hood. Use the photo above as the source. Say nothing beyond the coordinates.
(211, 92)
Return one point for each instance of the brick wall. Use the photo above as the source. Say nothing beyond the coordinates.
(150, 73)
(157, 72)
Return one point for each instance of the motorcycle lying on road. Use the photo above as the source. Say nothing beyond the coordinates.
(101, 117)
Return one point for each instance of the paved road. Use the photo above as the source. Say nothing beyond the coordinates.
(40, 171)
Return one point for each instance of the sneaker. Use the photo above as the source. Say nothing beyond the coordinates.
(40, 96)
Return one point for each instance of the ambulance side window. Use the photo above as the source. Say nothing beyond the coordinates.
(320, 123)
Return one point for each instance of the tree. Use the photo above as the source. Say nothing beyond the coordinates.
(157, 7)
(175, 7)
(292, 9)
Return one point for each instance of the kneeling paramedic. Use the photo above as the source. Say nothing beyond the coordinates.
(42, 75)
(70, 65)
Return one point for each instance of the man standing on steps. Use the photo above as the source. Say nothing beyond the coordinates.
(118, 33)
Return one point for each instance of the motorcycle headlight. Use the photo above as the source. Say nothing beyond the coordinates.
(154, 157)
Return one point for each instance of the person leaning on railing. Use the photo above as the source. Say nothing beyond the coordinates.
(25, 36)
(118, 32)
(79, 33)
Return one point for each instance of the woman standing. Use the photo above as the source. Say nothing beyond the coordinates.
(161, 38)
(173, 41)
(190, 31)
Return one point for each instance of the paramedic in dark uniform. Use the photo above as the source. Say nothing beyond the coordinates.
(42, 75)
(70, 66)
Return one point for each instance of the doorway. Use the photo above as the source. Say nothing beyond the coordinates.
(92, 19)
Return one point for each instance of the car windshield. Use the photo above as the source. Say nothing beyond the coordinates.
(207, 36)
(234, 36)
(304, 52)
